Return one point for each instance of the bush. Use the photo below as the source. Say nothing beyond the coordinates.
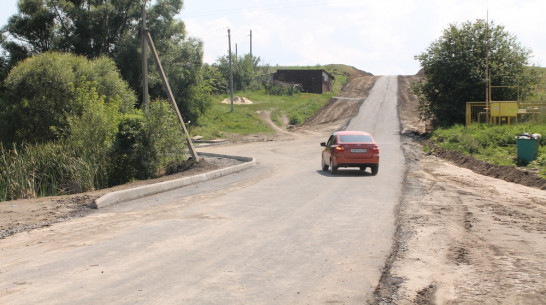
(166, 138)
(295, 119)
(104, 148)
(147, 145)
(40, 94)
(280, 88)
(129, 155)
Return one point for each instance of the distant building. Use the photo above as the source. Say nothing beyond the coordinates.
(312, 81)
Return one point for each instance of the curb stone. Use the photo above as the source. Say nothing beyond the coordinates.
(161, 187)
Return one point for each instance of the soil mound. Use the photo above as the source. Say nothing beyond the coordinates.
(506, 173)
(238, 101)
(342, 108)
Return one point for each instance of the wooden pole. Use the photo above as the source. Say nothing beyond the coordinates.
(170, 95)
(230, 70)
(487, 78)
(145, 101)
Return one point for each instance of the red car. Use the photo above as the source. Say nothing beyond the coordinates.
(350, 149)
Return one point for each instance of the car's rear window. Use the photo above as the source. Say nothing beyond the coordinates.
(355, 138)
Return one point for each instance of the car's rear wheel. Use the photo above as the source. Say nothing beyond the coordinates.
(375, 169)
(332, 167)
(324, 166)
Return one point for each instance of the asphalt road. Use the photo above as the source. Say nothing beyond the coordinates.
(283, 232)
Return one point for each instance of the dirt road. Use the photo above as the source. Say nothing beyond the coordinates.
(460, 237)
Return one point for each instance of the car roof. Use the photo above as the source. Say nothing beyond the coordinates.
(348, 132)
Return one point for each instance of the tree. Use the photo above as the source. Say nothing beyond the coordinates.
(84, 27)
(95, 28)
(39, 94)
(185, 74)
(244, 68)
(216, 82)
(455, 65)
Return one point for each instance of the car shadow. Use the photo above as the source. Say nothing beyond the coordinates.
(346, 173)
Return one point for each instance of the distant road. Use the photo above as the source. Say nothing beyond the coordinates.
(283, 232)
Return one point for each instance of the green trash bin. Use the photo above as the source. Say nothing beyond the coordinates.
(527, 146)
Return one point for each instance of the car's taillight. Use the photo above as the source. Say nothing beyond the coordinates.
(340, 148)
(375, 149)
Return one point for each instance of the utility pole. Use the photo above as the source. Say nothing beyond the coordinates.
(250, 43)
(145, 101)
(487, 79)
(236, 55)
(230, 69)
(170, 95)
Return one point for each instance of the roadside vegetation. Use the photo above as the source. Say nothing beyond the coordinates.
(493, 144)
(454, 67)
(81, 131)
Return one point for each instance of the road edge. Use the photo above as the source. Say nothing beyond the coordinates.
(161, 187)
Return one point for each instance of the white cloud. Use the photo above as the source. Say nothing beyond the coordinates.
(381, 37)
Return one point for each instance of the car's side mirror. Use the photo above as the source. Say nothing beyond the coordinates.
(323, 144)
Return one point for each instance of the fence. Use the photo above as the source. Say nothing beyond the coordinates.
(506, 112)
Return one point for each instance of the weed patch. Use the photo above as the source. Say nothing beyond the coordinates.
(493, 144)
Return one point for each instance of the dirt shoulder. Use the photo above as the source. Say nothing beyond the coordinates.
(28, 214)
(464, 237)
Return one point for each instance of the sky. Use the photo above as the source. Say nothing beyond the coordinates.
(381, 36)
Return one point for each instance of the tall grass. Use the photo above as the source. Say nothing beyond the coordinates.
(49, 169)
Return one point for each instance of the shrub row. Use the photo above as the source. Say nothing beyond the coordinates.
(92, 157)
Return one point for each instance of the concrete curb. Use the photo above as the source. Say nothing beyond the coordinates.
(160, 187)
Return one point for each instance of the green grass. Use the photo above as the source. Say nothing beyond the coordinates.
(220, 122)
(493, 144)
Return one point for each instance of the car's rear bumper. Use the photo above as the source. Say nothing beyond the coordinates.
(345, 162)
